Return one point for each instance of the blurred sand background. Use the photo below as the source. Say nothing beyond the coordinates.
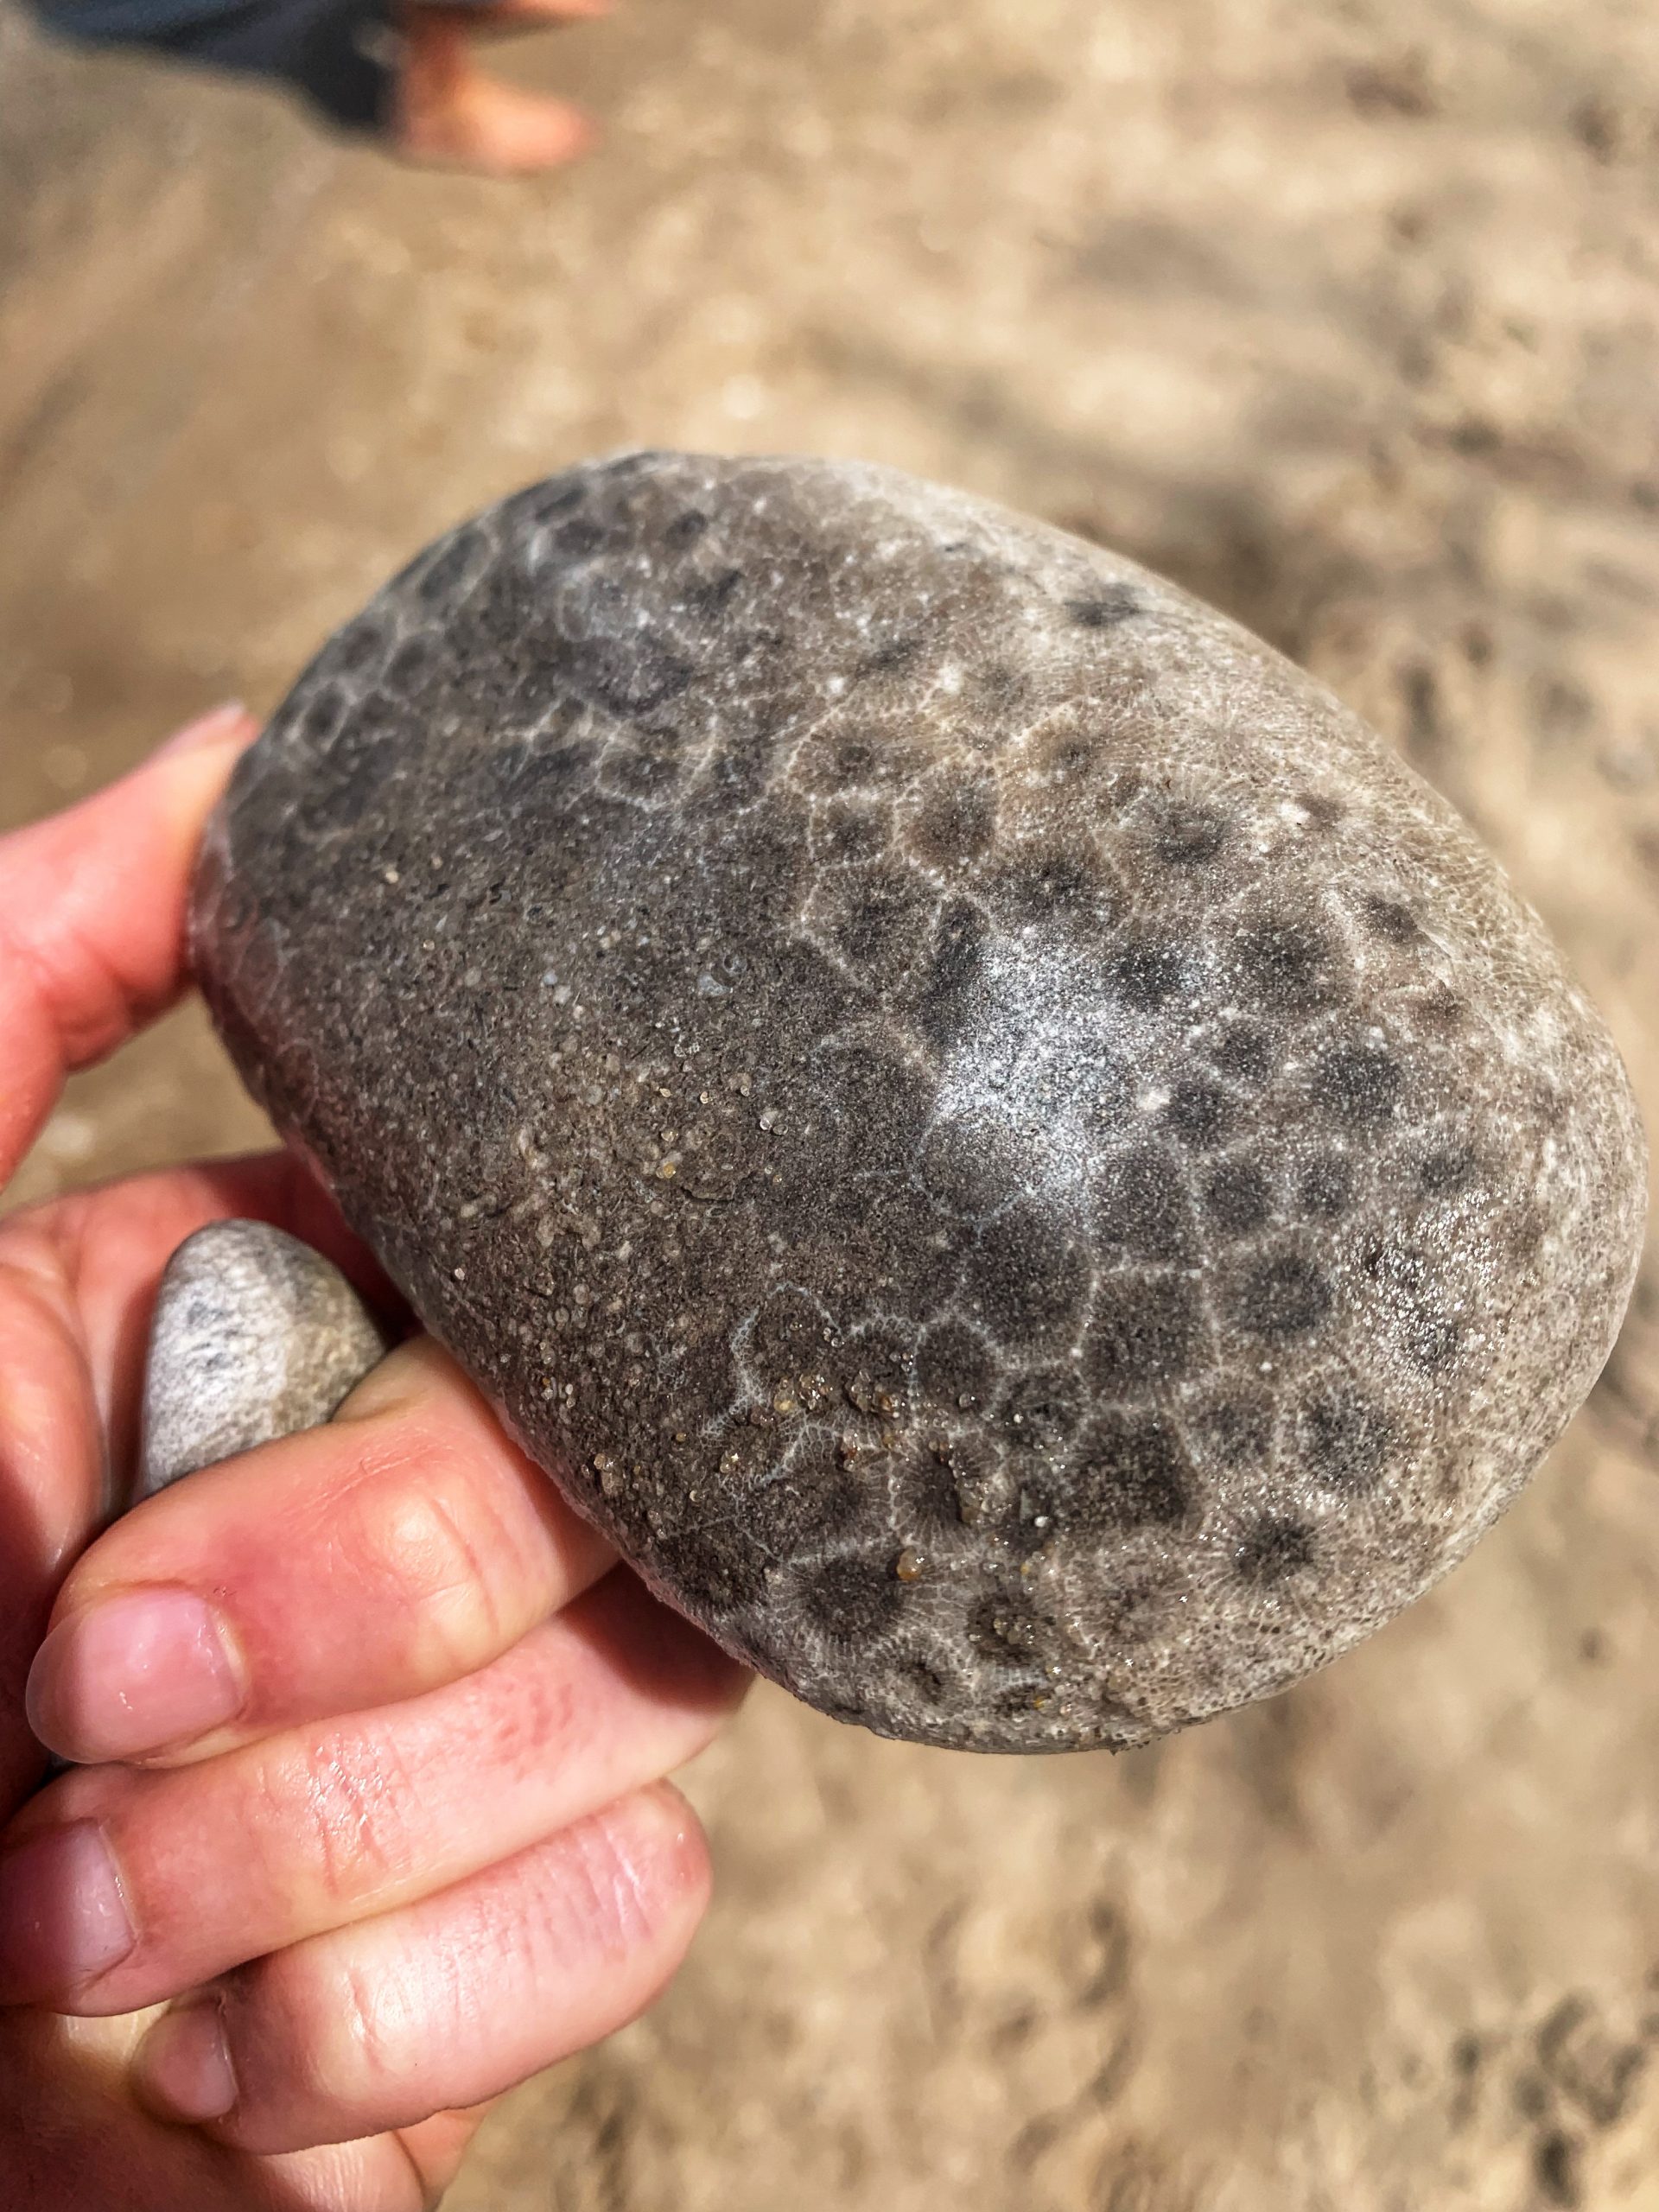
(1344, 314)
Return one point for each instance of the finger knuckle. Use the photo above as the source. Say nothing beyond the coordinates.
(371, 2013)
(329, 2034)
(428, 1545)
(340, 1805)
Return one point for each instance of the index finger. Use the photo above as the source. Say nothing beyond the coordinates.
(92, 919)
(402, 1546)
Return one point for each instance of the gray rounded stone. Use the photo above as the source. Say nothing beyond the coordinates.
(1033, 1177)
(254, 1336)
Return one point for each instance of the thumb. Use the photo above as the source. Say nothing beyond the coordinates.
(92, 919)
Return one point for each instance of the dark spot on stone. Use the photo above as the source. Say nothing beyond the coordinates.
(999, 686)
(686, 529)
(1276, 1547)
(1325, 1188)
(878, 1360)
(901, 1252)
(1006, 1626)
(1238, 1431)
(956, 995)
(1548, 1101)
(1439, 1012)
(345, 781)
(1140, 1607)
(1394, 1266)
(972, 1167)
(1288, 964)
(1245, 1053)
(879, 1105)
(1140, 1204)
(977, 1463)
(1187, 833)
(579, 537)
(795, 1515)
(956, 1367)
(788, 1339)
(356, 649)
(631, 679)
(892, 653)
(1145, 1332)
(319, 719)
(730, 1565)
(640, 772)
(1041, 1411)
(1236, 1198)
(1146, 975)
(1129, 1474)
(1447, 1171)
(1016, 1703)
(1358, 1085)
(1199, 1115)
(444, 576)
(1344, 1439)
(762, 858)
(925, 1683)
(874, 918)
(848, 830)
(853, 1600)
(540, 503)
(712, 596)
(741, 771)
(850, 760)
(1283, 1297)
(1321, 810)
(414, 664)
(1432, 1344)
(932, 1490)
(1051, 885)
(1104, 610)
(1525, 1232)
(1391, 919)
(955, 822)
(1066, 755)
(1026, 1276)
(701, 1375)
(545, 777)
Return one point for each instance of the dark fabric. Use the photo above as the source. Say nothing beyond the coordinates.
(340, 55)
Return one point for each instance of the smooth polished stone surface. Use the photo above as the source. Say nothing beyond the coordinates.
(1032, 1175)
(254, 1336)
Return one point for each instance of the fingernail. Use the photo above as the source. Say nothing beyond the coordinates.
(133, 1673)
(183, 2067)
(63, 1921)
(212, 729)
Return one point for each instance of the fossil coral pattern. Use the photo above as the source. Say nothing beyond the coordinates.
(1032, 1175)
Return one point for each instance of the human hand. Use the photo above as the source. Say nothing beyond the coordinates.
(373, 1721)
